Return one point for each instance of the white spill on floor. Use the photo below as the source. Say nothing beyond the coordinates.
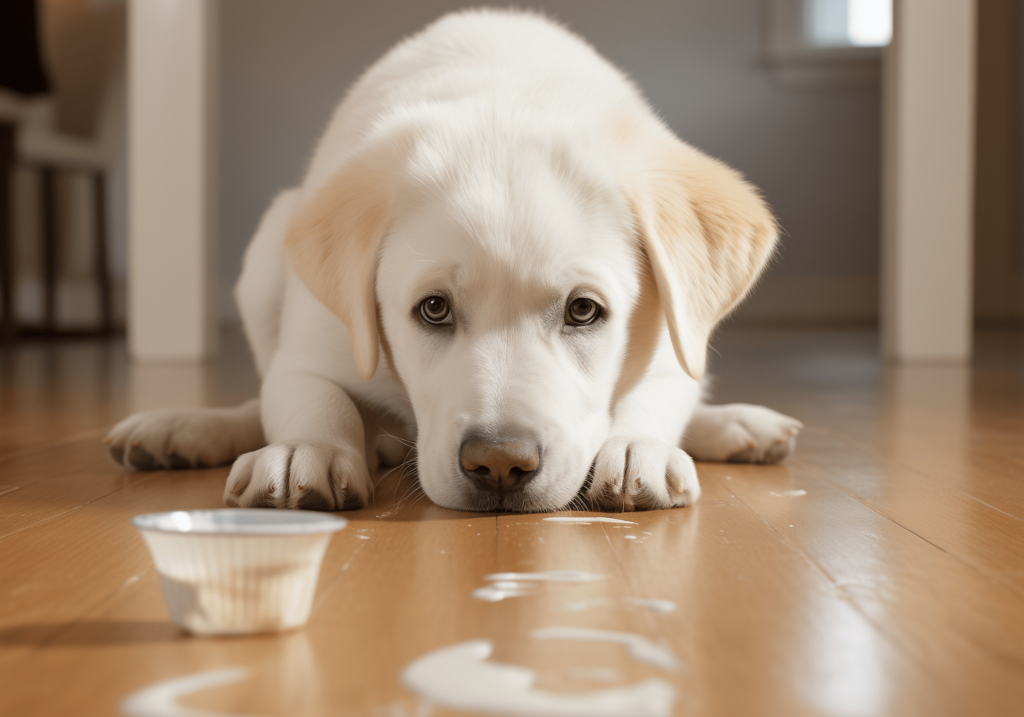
(788, 493)
(653, 604)
(558, 576)
(640, 648)
(161, 699)
(502, 590)
(460, 677)
(588, 521)
(509, 585)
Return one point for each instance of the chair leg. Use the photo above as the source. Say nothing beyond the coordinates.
(48, 187)
(101, 252)
(7, 329)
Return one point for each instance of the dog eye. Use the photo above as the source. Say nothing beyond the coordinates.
(582, 312)
(435, 310)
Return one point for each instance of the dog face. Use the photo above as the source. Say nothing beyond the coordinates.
(518, 284)
(505, 286)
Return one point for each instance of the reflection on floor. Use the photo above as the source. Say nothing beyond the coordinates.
(51, 391)
(880, 571)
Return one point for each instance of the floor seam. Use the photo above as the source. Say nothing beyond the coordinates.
(139, 481)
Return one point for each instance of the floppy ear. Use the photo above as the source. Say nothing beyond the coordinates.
(334, 241)
(707, 232)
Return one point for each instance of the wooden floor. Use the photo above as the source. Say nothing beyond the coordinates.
(879, 572)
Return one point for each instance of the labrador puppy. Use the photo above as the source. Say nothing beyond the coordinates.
(500, 256)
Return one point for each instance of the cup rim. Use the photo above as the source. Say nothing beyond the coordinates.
(240, 522)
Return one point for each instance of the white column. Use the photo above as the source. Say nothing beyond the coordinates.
(928, 179)
(172, 197)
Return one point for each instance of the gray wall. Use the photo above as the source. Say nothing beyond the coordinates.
(815, 153)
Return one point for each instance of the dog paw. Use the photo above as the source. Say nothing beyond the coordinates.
(185, 438)
(741, 433)
(312, 476)
(641, 473)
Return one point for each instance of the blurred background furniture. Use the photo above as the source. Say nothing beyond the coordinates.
(31, 141)
(21, 72)
(6, 273)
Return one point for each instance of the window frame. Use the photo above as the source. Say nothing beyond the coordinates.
(797, 63)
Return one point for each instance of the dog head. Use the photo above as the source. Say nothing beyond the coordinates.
(519, 281)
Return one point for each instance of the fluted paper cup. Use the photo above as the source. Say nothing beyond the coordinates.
(238, 571)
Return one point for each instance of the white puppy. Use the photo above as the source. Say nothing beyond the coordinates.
(496, 211)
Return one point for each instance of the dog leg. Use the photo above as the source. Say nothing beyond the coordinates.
(185, 438)
(640, 466)
(740, 433)
(642, 473)
(316, 457)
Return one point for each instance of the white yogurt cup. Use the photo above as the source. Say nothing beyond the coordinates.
(238, 571)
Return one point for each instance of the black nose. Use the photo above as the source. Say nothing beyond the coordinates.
(501, 465)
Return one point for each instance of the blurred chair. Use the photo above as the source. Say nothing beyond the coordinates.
(28, 139)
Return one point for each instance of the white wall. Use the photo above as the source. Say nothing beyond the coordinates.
(815, 153)
(172, 179)
(928, 182)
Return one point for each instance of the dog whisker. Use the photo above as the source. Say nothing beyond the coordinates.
(404, 441)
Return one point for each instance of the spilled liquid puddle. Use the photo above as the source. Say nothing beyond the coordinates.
(502, 590)
(509, 585)
(161, 699)
(588, 521)
(660, 606)
(460, 677)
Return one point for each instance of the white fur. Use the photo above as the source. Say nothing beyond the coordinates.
(502, 195)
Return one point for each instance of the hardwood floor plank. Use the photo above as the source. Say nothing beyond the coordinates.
(773, 618)
(53, 390)
(965, 626)
(893, 586)
(753, 611)
(87, 554)
(960, 426)
(53, 481)
(727, 570)
(975, 533)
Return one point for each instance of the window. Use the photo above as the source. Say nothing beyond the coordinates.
(826, 43)
(849, 23)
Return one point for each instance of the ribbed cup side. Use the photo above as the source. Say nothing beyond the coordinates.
(218, 584)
